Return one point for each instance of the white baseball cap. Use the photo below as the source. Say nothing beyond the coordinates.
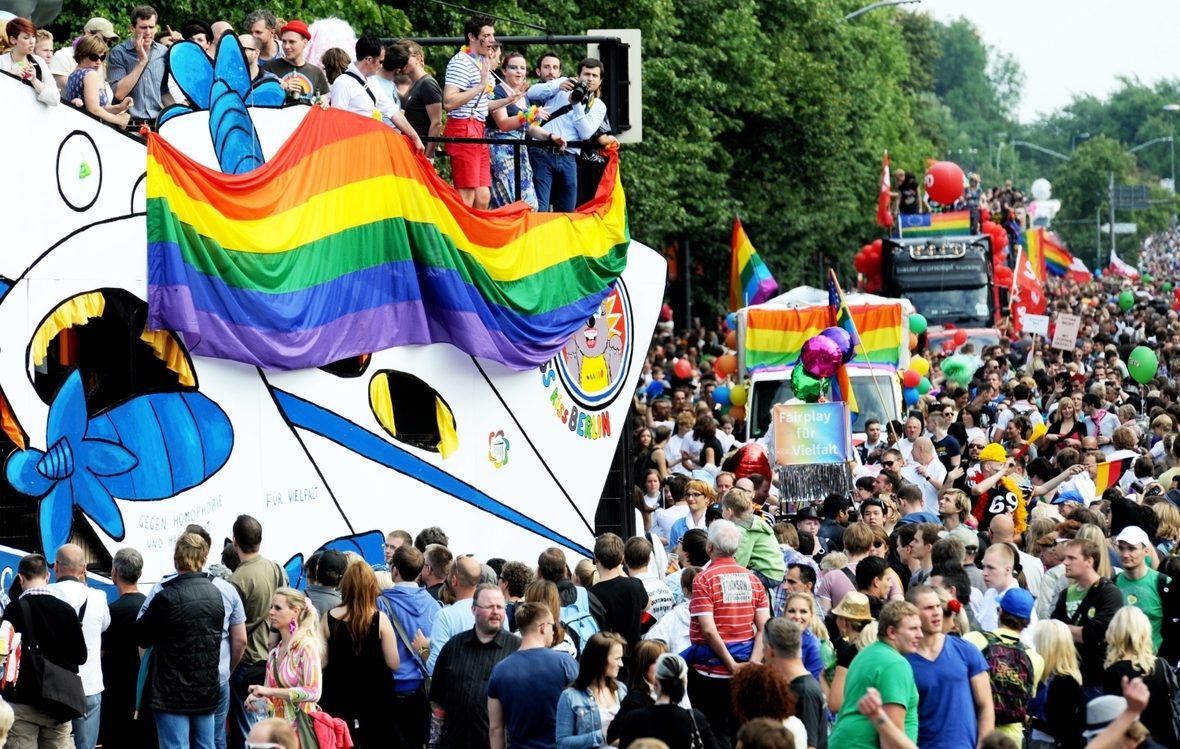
(1133, 534)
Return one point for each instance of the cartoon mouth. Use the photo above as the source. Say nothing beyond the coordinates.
(591, 338)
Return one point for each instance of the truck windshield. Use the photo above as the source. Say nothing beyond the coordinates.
(963, 307)
(769, 392)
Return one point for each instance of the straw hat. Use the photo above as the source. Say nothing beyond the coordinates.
(854, 607)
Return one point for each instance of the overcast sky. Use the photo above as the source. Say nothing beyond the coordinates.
(1068, 47)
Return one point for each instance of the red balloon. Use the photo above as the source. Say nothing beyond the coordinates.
(910, 378)
(960, 337)
(876, 246)
(682, 369)
(859, 262)
(944, 182)
(948, 346)
(873, 286)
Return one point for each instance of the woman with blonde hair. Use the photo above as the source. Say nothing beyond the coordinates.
(293, 671)
(1130, 654)
(1167, 536)
(545, 592)
(816, 651)
(954, 618)
(1095, 534)
(586, 574)
(1056, 709)
(360, 658)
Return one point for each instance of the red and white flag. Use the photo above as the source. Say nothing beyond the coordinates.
(1121, 268)
(1028, 297)
(1078, 271)
(884, 217)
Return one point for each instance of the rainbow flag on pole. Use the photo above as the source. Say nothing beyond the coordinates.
(750, 281)
(952, 223)
(1034, 249)
(346, 243)
(842, 318)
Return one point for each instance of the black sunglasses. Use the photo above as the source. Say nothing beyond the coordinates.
(96, 58)
(887, 463)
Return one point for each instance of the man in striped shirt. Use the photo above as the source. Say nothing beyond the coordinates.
(465, 98)
(729, 609)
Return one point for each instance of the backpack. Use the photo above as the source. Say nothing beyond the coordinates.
(1011, 674)
(578, 621)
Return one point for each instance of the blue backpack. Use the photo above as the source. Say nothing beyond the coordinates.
(578, 621)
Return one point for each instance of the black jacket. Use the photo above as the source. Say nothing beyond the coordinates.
(183, 623)
(59, 638)
(1168, 585)
(1093, 615)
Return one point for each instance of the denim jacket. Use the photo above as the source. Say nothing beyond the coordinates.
(578, 723)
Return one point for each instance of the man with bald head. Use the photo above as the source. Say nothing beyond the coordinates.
(999, 565)
(1003, 531)
(69, 567)
(458, 617)
(926, 471)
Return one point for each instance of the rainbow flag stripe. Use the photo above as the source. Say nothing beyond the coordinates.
(952, 223)
(750, 281)
(346, 243)
(774, 337)
(1057, 259)
(1034, 248)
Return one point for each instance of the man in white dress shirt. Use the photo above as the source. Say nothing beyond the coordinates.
(354, 92)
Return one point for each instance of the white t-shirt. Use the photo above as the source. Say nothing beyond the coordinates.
(662, 520)
(937, 471)
(94, 623)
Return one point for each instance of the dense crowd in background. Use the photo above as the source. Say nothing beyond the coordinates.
(486, 93)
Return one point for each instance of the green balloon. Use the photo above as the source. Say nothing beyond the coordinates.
(1142, 364)
(1146, 278)
(924, 386)
(1126, 300)
(805, 386)
(917, 324)
(1167, 286)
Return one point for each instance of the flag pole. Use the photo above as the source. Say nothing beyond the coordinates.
(863, 350)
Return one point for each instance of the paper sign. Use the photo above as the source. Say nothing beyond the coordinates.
(1037, 325)
(1066, 335)
(810, 433)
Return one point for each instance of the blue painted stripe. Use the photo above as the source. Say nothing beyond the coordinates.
(361, 290)
(327, 424)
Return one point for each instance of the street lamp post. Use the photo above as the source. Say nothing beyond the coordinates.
(1170, 109)
(882, 4)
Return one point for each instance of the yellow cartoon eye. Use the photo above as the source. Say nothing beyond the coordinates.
(413, 412)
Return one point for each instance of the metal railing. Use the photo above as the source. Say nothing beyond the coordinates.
(515, 144)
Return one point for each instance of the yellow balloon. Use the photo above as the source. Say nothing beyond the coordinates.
(738, 395)
(920, 365)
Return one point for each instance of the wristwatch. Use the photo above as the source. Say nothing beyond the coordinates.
(880, 721)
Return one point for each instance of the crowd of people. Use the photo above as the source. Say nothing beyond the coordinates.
(486, 94)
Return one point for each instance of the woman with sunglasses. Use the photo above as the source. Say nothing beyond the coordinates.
(510, 121)
(22, 63)
(86, 83)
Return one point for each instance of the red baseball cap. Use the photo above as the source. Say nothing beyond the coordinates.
(299, 27)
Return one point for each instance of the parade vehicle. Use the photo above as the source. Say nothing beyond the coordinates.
(770, 337)
(949, 279)
(146, 382)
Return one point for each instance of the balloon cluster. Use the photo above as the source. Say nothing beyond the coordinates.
(868, 264)
(914, 381)
(999, 239)
(949, 345)
(821, 357)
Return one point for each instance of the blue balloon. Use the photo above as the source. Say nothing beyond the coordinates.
(731, 321)
(910, 396)
(721, 396)
(655, 388)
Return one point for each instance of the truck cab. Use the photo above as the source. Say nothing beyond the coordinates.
(947, 279)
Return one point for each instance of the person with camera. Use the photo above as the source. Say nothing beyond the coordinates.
(575, 114)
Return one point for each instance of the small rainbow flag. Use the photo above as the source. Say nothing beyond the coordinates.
(346, 243)
(774, 337)
(951, 223)
(750, 281)
(1034, 248)
(1057, 258)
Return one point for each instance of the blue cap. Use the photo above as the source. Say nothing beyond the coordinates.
(1018, 602)
(1070, 495)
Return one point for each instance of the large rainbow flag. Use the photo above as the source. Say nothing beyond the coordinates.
(750, 281)
(951, 223)
(1034, 249)
(346, 243)
(774, 337)
(1057, 259)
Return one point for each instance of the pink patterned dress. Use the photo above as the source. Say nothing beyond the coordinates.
(299, 671)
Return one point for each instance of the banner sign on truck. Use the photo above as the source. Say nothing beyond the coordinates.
(809, 433)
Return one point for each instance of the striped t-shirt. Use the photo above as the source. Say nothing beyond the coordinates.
(463, 72)
(732, 595)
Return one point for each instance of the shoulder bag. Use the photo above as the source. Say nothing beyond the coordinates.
(401, 634)
(59, 689)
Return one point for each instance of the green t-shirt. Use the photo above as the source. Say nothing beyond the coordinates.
(880, 666)
(1073, 599)
(1144, 595)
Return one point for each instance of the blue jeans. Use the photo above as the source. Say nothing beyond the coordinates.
(177, 731)
(86, 728)
(241, 720)
(555, 180)
(219, 735)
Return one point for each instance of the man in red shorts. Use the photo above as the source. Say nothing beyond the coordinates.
(465, 97)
